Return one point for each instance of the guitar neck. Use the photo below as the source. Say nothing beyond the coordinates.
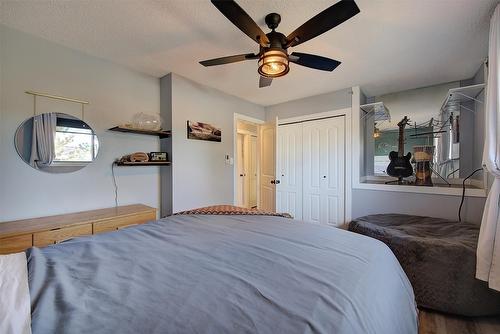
(401, 142)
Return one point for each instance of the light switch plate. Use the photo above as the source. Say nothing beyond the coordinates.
(229, 160)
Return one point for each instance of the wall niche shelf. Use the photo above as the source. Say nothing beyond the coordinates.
(146, 163)
(463, 94)
(454, 190)
(162, 133)
(379, 110)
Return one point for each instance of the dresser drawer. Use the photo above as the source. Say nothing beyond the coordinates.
(42, 239)
(15, 244)
(122, 222)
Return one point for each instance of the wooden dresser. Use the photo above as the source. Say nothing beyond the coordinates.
(16, 236)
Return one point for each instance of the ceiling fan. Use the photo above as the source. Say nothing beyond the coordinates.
(273, 56)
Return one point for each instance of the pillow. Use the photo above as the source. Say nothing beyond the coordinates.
(15, 309)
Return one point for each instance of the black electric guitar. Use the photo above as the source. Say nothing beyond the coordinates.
(400, 165)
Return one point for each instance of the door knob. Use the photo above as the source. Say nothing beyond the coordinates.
(241, 174)
(324, 176)
(273, 181)
(277, 181)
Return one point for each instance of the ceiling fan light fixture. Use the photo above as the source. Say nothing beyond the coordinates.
(274, 63)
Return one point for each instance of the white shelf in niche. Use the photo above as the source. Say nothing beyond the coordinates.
(454, 190)
(463, 94)
(379, 110)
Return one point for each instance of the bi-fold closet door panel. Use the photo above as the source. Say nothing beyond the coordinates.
(323, 171)
(311, 157)
(289, 170)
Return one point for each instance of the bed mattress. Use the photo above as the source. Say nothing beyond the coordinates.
(220, 274)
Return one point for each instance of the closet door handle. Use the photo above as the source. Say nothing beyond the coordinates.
(277, 181)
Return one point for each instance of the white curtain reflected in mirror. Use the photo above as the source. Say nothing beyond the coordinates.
(56, 143)
(42, 140)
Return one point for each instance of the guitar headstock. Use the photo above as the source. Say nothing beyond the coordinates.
(404, 122)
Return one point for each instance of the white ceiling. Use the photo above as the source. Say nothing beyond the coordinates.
(390, 46)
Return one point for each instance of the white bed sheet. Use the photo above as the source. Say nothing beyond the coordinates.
(15, 309)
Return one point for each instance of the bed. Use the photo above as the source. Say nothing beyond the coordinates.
(195, 273)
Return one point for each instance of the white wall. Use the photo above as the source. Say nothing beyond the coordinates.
(115, 94)
(310, 105)
(200, 175)
(367, 202)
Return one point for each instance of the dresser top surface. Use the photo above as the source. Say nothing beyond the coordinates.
(18, 227)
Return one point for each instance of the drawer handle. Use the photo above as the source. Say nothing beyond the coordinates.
(125, 226)
(62, 240)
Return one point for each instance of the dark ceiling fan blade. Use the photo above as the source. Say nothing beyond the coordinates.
(229, 59)
(324, 21)
(265, 81)
(313, 61)
(234, 13)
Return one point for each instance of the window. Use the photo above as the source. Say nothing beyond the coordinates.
(75, 142)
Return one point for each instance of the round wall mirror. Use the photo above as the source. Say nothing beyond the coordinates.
(56, 143)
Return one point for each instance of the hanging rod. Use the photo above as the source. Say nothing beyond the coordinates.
(50, 96)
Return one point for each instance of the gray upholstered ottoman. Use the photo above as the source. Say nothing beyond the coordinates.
(439, 258)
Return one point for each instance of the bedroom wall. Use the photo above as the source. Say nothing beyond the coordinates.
(200, 176)
(310, 105)
(366, 202)
(115, 94)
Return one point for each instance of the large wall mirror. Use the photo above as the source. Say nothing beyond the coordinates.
(443, 133)
(56, 143)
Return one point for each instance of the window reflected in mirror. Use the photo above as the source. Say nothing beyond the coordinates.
(56, 143)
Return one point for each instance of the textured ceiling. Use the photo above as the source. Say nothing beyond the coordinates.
(390, 46)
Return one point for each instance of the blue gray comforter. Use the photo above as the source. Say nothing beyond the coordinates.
(220, 274)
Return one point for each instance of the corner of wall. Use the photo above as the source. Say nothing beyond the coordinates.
(166, 173)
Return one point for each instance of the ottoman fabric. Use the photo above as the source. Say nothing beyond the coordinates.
(439, 258)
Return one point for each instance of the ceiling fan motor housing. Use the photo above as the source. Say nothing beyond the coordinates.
(276, 40)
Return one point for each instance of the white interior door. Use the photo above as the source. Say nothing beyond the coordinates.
(268, 166)
(240, 165)
(252, 171)
(323, 175)
(289, 169)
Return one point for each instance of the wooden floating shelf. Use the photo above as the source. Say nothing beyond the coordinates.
(161, 133)
(146, 163)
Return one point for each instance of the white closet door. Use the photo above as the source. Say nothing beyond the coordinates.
(323, 163)
(289, 171)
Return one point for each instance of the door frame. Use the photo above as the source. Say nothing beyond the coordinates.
(347, 114)
(240, 117)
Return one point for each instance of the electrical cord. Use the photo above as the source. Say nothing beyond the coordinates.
(114, 183)
(456, 170)
(463, 193)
